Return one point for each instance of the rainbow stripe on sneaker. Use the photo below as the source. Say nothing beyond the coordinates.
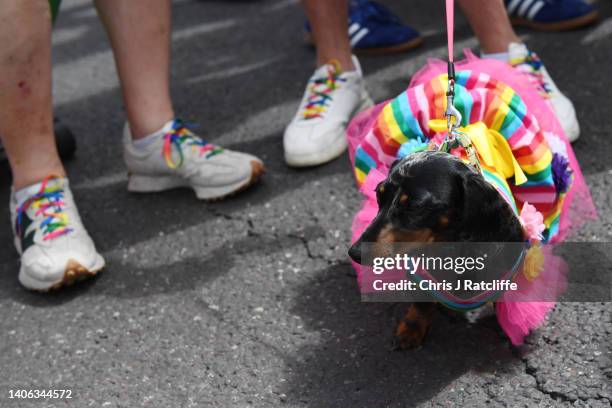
(49, 203)
(179, 137)
(320, 91)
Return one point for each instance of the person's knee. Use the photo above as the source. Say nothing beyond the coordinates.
(26, 28)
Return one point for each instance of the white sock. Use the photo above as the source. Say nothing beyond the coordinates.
(23, 194)
(144, 142)
(500, 56)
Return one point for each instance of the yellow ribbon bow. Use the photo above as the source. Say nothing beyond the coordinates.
(493, 149)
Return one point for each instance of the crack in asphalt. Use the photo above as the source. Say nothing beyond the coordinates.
(276, 236)
(309, 253)
(531, 371)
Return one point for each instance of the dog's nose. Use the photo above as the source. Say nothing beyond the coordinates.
(355, 252)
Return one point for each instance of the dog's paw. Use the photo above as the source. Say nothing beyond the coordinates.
(412, 329)
(410, 334)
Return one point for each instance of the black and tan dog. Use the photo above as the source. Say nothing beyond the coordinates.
(435, 197)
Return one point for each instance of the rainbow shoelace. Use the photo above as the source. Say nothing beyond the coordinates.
(179, 137)
(320, 90)
(48, 203)
(532, 65)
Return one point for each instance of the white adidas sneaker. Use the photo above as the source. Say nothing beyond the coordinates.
(178, 158)
(316, 134)
(526, 61)
(54, 246)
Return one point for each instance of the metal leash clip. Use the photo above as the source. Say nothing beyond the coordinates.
(453, 116)
(455, 138)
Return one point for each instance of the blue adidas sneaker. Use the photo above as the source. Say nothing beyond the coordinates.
(551, 15)
(374, 29)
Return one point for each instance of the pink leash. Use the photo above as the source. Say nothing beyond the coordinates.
(450, 27)
(453, 117)
(454, 137)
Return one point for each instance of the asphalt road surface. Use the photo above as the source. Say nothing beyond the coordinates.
(251, 302)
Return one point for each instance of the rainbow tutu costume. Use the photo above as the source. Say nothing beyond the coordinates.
(522, 150)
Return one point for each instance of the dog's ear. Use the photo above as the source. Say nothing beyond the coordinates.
(486, 216)
(394, 165)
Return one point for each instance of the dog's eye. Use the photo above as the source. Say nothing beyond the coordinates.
(403, 198)
(385, 191)
(380, 192)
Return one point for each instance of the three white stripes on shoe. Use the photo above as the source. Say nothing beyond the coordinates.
(525, 8)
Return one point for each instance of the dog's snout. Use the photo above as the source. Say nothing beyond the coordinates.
(355, 252)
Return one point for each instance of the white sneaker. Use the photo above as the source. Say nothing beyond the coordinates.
(528, 62)
(178, 158)
(54, 246)
(316, 134)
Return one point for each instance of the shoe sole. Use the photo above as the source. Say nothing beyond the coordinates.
(330, 153)
(578, 22)
(73, 272)
(154, 184)
(394, 49)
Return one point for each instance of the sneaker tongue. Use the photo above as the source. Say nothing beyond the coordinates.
(166, 128)
(23, 194)
(517, 51)
(57, 179)
(56, 182)
(323, 70)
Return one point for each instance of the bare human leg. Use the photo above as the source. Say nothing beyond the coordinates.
(490, 23)
(139, 32)
(26, 117)
(329, 21)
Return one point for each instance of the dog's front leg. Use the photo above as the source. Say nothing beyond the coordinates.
(413, 327)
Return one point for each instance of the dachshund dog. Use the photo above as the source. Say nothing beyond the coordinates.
(432, 196)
